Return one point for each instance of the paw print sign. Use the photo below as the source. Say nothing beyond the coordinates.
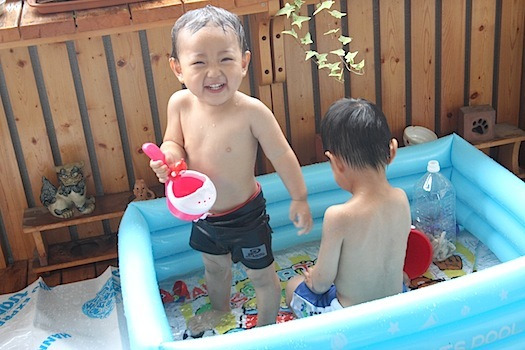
(476, 123)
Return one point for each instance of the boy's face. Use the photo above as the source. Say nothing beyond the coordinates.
(211, 63)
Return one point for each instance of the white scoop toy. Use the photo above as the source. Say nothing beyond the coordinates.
(189, 194)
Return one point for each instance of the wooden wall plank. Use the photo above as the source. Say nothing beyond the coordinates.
(332, 89)
(9, 21)
(78, 273)
(361, 30)
(452, 63)
(423, 63)
(30, 124)
(136, 106)
(12, 200)
(63, 104)
(14, 278)
(149, 11)
(166, 83)
(102, 18)
(101, 266)
(482, 52)
(277, 45)
(300, 99)
(511, 61)
(52, 279)
(100, 106)
(195, 4)
(393, 61)
(33, 25)
(261, 52)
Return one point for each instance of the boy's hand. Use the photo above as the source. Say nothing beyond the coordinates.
(300, 216)
(161, 169)
(308, 278)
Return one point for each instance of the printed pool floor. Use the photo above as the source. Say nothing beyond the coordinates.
(186, 296)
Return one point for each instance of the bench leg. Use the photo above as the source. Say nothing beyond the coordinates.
(508, 156)
(40, 248)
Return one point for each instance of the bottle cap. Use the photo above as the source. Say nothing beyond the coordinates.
(433, 166)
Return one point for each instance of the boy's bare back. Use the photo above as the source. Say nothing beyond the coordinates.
(364, 241)
(370, 231)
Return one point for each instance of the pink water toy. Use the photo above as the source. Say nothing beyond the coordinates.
(189, 194)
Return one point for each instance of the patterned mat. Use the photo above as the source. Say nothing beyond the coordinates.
(187, 296)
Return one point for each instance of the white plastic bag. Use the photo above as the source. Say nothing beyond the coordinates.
(80, 315)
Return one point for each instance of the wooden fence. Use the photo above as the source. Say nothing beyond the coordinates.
(98, 97)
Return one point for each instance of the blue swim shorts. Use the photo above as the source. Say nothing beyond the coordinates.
(307, 303)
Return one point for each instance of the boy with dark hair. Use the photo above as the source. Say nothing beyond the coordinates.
(364, 240)
(217, 130)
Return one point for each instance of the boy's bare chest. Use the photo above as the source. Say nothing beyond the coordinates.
(228, 136)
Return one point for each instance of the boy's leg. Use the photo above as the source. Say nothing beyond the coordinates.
(218, 276)
(268, 293)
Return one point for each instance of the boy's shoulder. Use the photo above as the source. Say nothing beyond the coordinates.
(181, 94)
(252, 104)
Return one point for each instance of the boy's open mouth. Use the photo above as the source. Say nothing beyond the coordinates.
(215, 86)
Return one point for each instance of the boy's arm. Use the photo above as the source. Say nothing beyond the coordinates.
(173, 143)
(323, 274)
(278, 151)
(289, 170)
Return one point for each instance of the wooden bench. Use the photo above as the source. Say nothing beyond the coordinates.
(508, 139)
(68, 254)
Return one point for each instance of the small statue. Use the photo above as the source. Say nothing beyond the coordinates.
(141, 191)
(71, 191)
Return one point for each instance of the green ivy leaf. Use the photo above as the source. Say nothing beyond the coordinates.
(291, 32)
(298, 3)
(358, 66)
(344, 40)
(310, 54)
(322, 58)
(337, 14)
(286, 10)
(350, 57)
(339, 52)
(307, 39)
(322, 65)
(337, 74)
(332, 31)
(325, 5)
(334, 66)
(298, 20)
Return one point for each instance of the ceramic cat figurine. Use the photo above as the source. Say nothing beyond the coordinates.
(71, 192)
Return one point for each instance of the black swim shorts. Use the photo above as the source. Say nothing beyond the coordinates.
(245, 233)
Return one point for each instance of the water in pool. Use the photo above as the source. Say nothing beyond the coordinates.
(185, 296)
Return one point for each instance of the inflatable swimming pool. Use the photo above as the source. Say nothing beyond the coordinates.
(486, 307)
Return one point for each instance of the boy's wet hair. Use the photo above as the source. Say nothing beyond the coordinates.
(357, 132)
(195, 20)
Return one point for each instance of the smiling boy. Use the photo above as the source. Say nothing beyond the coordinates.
(217, 130)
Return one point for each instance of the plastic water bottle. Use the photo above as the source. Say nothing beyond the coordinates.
(434, 211)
